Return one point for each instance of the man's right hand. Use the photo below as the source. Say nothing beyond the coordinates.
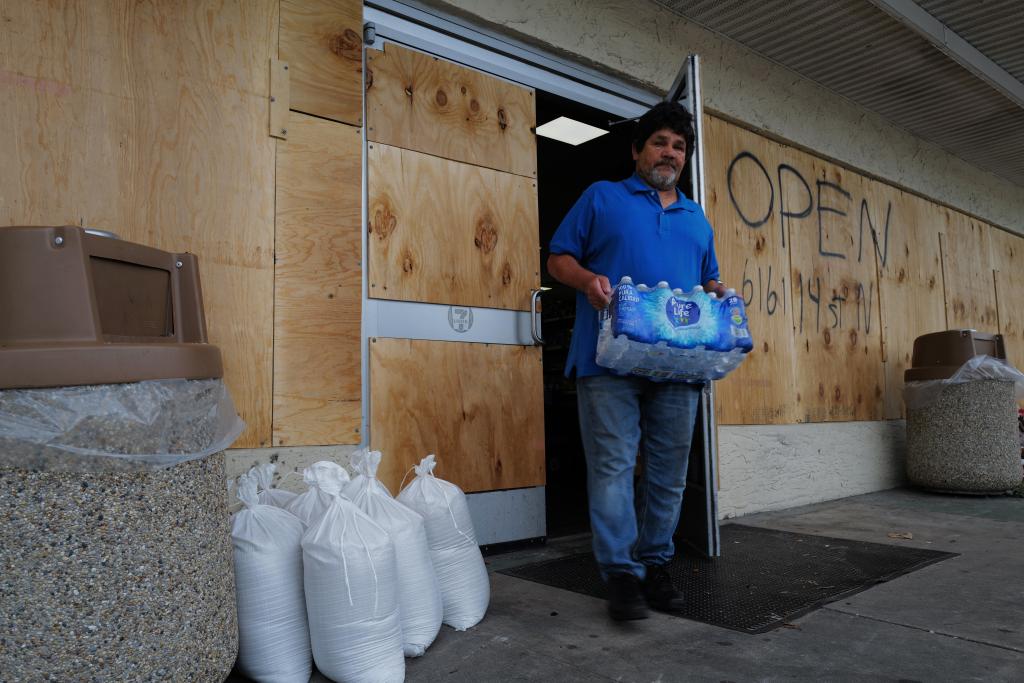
(599, 292)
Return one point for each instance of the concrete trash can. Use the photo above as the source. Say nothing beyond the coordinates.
(115, 542)
(961, 399)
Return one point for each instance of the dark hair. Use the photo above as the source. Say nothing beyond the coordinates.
(671, 115)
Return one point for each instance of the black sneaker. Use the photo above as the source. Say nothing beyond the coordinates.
(625, 601)
(661, 594)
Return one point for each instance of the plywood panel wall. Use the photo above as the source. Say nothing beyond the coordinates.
(318, 285)
(1008, 261)
(478, 407)
(910, 281)
(416, 101)
(446, 232)
(868, 268)
(788, 234)
(150, 120)
(835, 301)
(753, 259)
(970, 287)
(322, 42)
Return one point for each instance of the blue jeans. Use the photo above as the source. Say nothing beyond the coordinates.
(620, 416)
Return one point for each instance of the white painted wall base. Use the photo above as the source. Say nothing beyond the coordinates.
(773, 467)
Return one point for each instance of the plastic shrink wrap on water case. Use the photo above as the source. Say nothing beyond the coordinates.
(665, 334)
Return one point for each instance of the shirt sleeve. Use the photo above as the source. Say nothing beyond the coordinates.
(709, 264)
(572, 234)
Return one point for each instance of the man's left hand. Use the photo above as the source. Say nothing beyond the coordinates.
(715, 286)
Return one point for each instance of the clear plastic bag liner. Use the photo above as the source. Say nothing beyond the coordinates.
(156, 423)
(920, 394)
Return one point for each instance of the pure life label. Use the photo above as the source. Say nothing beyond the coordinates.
(682, 313)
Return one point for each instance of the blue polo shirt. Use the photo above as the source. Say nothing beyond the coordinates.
(620, 228)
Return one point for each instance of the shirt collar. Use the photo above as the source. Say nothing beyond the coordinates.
(636, 185)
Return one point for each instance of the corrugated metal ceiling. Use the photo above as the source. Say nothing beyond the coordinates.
(996, 27)
(856, 50)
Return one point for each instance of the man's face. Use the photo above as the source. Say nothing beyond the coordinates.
(662, 158)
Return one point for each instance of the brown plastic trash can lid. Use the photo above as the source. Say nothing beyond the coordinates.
(82, 308)
(940, 354)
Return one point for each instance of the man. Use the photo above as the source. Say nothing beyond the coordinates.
(645, 228)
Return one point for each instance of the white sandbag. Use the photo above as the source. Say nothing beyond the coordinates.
(352, 595)
(419, 595)
(268, 494)
(308, 506)
(273, 636)
(465, 586)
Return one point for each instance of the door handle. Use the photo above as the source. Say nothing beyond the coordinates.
(534, 327)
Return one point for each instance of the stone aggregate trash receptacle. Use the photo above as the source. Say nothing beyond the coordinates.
(115, 545)
(961, 397)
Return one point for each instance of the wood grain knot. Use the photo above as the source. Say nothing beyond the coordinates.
(837, 394)
(506, 274)
(766, 347)
(408, 90)
(902, 275)
(828, 337)
(441, 98)
(407, 263)
(474, 106)
(384, 223)
(486, 237)
(931, 282)
(347, 44)
(853, 337)
(759, 243)
(502, 119)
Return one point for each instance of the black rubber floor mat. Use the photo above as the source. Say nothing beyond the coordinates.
(763, 579)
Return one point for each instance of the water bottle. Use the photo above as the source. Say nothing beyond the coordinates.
(683, 317)
(733, 330)
(626, 311)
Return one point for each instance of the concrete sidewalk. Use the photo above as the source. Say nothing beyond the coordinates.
(961, 619)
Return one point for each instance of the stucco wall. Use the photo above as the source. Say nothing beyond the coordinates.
(643, 42)
(773, 467)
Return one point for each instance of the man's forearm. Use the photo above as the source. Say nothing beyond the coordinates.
(567, 270)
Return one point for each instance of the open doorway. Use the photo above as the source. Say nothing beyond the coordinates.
(563, 172)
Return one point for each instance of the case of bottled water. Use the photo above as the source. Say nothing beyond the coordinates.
(667, 334)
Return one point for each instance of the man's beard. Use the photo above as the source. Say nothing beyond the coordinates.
(661, 177)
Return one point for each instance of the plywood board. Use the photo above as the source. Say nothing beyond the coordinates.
(318, 291)
(416, 101)
(967, 267)
(478, 407)
(753, 258)
(322, 42)
(150, 120)
(788, 233)
(836, 298)
(907, 254)
(1008, 262)
(446, 232)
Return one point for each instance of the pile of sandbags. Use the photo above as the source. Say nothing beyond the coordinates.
(348, 577)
